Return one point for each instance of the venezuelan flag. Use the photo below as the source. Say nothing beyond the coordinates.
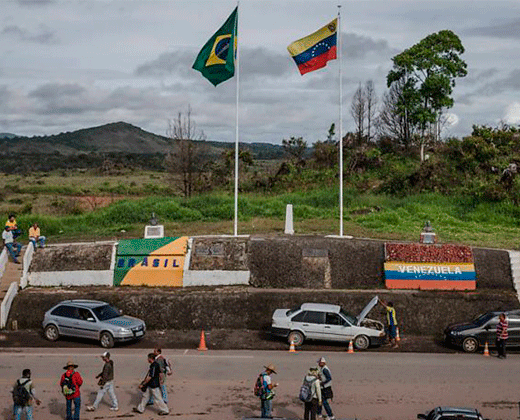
(314, 51)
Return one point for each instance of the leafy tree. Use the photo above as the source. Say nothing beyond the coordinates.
(296, 149)
(427, 72)
(325, 153)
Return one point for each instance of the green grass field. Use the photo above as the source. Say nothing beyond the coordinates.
(86, 207)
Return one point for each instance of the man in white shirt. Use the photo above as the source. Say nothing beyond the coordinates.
(10, 244)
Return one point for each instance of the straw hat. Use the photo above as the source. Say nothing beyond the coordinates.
(70, 362)
(270, 367)
(313, 371)
(321, 360)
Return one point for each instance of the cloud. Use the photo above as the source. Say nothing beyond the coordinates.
(166, 64)
(44, 35)
(512, 115)
(507, 30)
(35, 2)
(356, 46)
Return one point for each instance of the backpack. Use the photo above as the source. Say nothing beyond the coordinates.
(67, 386)
(306, 391)
(259, 389)
(21, 396)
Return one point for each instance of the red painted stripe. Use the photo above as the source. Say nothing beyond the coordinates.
(318, 62)
(431, 284)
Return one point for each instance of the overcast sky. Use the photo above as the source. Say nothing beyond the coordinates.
(67, 65)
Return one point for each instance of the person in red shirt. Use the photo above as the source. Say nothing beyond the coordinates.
(70, 383)
(502, 335)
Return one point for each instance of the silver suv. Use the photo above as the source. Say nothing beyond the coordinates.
(91, 319)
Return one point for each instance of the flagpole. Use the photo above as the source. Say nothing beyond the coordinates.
(340, 128)
(237, 66)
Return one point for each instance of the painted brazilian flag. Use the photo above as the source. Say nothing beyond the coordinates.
(216, 60)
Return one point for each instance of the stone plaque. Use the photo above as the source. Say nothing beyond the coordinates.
(315, 253)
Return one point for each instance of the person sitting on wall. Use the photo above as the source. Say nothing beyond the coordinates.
(13, 226)
(34, 236)
(428, 235)
(10, 244)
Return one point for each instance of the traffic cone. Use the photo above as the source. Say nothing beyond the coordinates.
(202, 345)
(292, 349)
(486, 350)
(350, 347)
(397, 338)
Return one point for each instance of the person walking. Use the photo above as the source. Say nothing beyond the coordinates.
(70, 383)
(24, 396)
(165, 370)
(312, 382)
(106, 383)
(266, 393)
(151, 386)
(502, 335)
(391, 319)
(326, 389)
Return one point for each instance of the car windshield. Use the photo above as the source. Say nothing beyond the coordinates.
(348, 317)
(106, 312)
(482, 319)
(292, 311)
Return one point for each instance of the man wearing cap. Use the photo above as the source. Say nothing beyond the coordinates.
(326, 389)
(26, 407)
(266, 398)
(70, 383)
(106, 383)
(151, 386)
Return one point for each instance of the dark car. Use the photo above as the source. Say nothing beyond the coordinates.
(473, 335)
(451, 413)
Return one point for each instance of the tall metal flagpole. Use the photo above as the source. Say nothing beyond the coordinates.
(340, 128)
(237, 67)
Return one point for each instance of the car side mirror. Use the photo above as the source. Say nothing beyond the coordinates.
(421, 416)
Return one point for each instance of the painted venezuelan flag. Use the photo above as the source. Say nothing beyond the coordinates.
(314, 51)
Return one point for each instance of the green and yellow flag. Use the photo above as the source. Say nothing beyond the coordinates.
(216, 59)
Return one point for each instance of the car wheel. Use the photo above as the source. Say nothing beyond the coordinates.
(296, 338)
(361, 342)
(470, 345)
(107, 340)
(51, 332)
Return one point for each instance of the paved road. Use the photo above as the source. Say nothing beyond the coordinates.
(218, 384)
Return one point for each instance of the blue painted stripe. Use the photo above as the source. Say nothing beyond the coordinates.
(398, 275)
(316, 50)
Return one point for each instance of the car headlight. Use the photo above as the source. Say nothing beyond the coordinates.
(126, 330)
(455, 333)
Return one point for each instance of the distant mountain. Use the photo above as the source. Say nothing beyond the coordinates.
(119, 137)
(7, 135)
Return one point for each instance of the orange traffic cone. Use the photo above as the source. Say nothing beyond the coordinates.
(202, 345)
(292, 349)
(486, 350)
(397, 338)
(350, 347)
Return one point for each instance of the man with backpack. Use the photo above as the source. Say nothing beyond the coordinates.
(151, 387)
(106, 384)
(165, 368)
(310, 393)
(264, 389)
(23, 396)
(326, 389)
(70, 383)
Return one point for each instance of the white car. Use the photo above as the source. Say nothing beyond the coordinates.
(320, 321)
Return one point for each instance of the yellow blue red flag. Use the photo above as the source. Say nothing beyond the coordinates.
(315, 50)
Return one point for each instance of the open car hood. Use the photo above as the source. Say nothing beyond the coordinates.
(367, 309)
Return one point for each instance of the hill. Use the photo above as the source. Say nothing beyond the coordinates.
(7, 135)
(119, 137)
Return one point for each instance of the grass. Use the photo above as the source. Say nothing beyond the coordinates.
(455, 219)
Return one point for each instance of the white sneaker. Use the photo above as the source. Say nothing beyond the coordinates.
(114, 408)
(91, 408)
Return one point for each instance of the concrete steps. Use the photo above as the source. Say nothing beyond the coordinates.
(13, 272)
(514, 258)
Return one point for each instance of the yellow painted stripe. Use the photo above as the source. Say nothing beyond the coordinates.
(303, 44)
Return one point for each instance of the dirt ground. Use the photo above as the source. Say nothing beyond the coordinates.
(218, 339)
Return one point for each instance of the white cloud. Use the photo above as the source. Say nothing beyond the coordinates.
(512, 115)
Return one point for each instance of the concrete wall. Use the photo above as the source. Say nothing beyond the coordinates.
(71, 278)
(418, 312)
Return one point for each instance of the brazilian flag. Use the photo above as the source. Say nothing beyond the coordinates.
(216, 59)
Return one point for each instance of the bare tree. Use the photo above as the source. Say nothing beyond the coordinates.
(188, 150)
(358, 110)
(371, 107)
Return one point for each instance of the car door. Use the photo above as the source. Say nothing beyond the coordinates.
(64, 316)
(85, 325)
(513, 330)
(488, 332)
(336, 328)
(311, 323)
